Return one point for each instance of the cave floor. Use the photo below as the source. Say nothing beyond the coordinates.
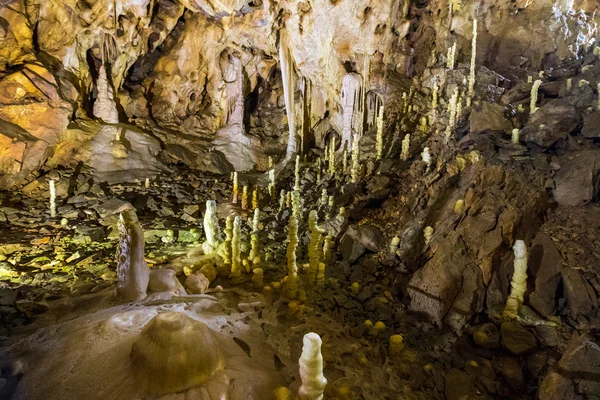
(64, 272)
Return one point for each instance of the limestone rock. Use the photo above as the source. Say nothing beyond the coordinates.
(545, 263)
(552, 122)
(581, 297)
(517, 339)
(488, 117)
(575, 374)
(591, 125)
(459, 385)
(578, 180)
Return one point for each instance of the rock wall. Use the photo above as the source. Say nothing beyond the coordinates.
(176, 66)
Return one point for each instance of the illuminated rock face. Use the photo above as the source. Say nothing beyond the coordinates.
(174, 353)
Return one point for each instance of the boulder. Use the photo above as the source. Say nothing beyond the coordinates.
(459, 385)
(196, 283)
(581, 297)
(576, 374)
(591, 125)
(517, 339)
(489, 117)
(577, 182)
(512, 372)
(552, 122)
(357, 240)
(545, 263)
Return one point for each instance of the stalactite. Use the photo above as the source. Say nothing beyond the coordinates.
(105, 106)
(311, 369)
(287, 74)
(351, 98)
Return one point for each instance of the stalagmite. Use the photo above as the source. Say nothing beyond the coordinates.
(272, 184)
(132, 270)
(434, 96)
(281, 200)
(534, 96)
(452, 108)
(350, 99)
(235, 188)
(515, 136)
(394, 244)
(344, 161)
(327, 244)
(245, 197)
(257, 277)
(331, 166)
(451, 56)
(52, 198)
(297, 205)
(315, 246)
(426, 157)
(405, 147)
(291, 285)
(427, 234)
(211, 228)
(379, 144)
(255, 198)
(287, 75)
(323, 199)
(519, 280)
(459, 206)
(598, 105)
(225, 247)
(355, 158)
(254, 251)
(311, 369)
(471, 90)
(147, 183)
(236, 249)
(330, 205)
(569, 84)
(105, 107)
(297, 174)
(396, 345)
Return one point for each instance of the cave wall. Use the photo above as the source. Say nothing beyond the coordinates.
(177, 66)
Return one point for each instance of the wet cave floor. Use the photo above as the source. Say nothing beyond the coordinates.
(65, 335)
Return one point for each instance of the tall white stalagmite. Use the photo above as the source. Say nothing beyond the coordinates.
(211, 228)
(52, 198)
(311, 369)
(471, 91)
(355, 157)
(287, 74)
(350, 99)
(519, 280)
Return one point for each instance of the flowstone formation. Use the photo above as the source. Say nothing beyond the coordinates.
(132, 270)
